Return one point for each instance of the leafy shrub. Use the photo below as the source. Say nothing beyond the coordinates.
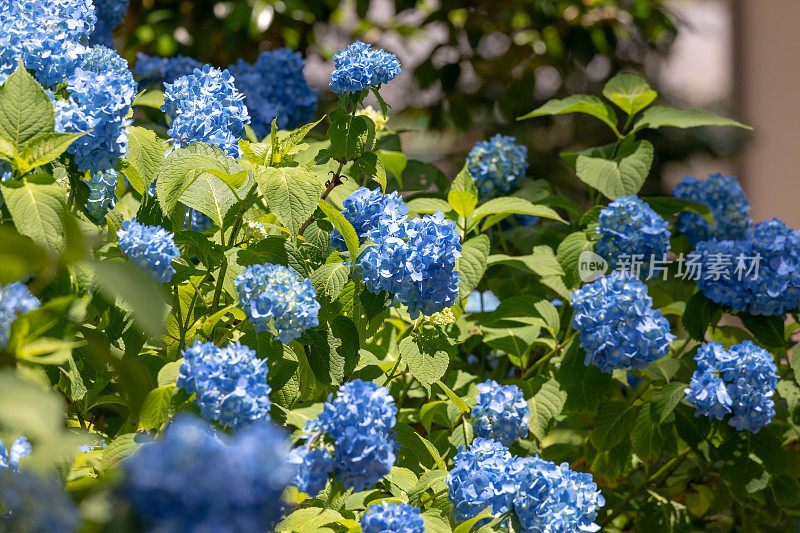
(350, 339)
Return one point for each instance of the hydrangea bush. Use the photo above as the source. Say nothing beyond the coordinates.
(218, 314)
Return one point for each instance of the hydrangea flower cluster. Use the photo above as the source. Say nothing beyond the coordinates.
(497, 165)
(101, 92)
(230, 383)
(9, 459)
(553, 498)
(151, 248)
(501, 413)
(739, 381)
(482, 476)
(110, 14)
(359, 422)
(546, 498)
(725, 199)
(415, 260)
(629, 227)
(392, 518)
(764, 271)
(275, 88)
(206, 106)
(23, 494)
(44, 34)
(274, 295)
(192, 479)
(481, 302)
(358, 68)
(619, 327)
(15, 299)
(101, 194)
(158, 70)
(365, 209)
(314, 466)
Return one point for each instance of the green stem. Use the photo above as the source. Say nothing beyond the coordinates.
(179, 317)
(391, 375)
(539, 362)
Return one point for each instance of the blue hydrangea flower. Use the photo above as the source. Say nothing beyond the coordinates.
(481, 302)
(314, 466)
(193, 479)
(482, 476)
(740, 381)
(275, 298)
(725, 198)
(101, 194)
(554, 499)
(501, 413)
(206, 107)
(25, 494)
(110, 14)
(101, 92)
(359, 422)
(151, 248)
(15, 299)
(392, 518)
(9, 459)
(497, 165)
(365, 209)
(199, 221)
(359, 68)
(230, 384)
(275, 88)
(617, 323)
(44, 34)
(760, 275)
(629, 227)
(158, 70)
(414, 260)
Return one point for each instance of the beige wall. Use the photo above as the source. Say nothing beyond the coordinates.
(767, 52)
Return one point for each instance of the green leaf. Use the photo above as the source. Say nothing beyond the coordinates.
(351, 136)
(370, 165)
(145, 157)
(699, 314)
(334, 350)
(668, 207)
(472, 264)
(611, 425)
(330, 279)
(646, 436)
(666, 399)
(660, 116)
(394, 162)
(768, 330)
(154, 99)
(19, 256)
(44, 148)
(416, 450)
(509, 205)
(545, 407)
(8, 150)
(585, 385)
(457, 401)
(37, 205)
(542, 262)
(794, 362)
(344, 226)
(133, 290)
(428, 206)
(463, 202)
(294, 138)
(579, 103)
(25, 109)
(466, 527)
(514, 340)
(629, 92)
(743, 476)
(168, 375)
(292, 194)
(308, 519)
(620, 177)
(155, 409)
(427, 355)
(568, 254)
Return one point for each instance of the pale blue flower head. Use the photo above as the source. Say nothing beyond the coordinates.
(15, 299)
(275, 298)
(157, 70)
(358, 68)
(314, 467)
(629, 227)
(229, 384)
(36, 504)
(501, 413)
(151, 248)
(102, 197)
(740, 381)
(195, 479)
(728, 205)
(275, 88)
(497, 165)
(366, 209)
(618, 326)
(206, 106)
(392, 518)
(9, 459)
(110, 14)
